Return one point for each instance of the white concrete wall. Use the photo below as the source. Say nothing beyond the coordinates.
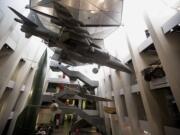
(18, 66)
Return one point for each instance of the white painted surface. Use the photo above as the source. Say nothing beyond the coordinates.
(11, 84)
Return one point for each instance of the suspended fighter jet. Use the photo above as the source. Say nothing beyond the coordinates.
(73, 45)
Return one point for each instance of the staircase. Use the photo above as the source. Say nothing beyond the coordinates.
(55, 66)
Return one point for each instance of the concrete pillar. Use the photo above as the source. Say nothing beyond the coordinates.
(9, 64)
(114, 125)
(10, 102)
(115, 76)
(10, 29)
(167, 46)
(100, 104)
(130, 103)
(119, 111)
(150, 104)
(106, 92)
(23, 99)
(80, 103)
(107, 124)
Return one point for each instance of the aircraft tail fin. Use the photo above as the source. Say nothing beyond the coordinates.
(24, 19)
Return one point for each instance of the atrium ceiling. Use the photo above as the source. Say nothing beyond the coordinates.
(101, 17)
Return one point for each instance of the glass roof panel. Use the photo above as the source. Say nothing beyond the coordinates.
(93, 13)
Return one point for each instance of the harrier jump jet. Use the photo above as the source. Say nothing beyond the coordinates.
(72, 45)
